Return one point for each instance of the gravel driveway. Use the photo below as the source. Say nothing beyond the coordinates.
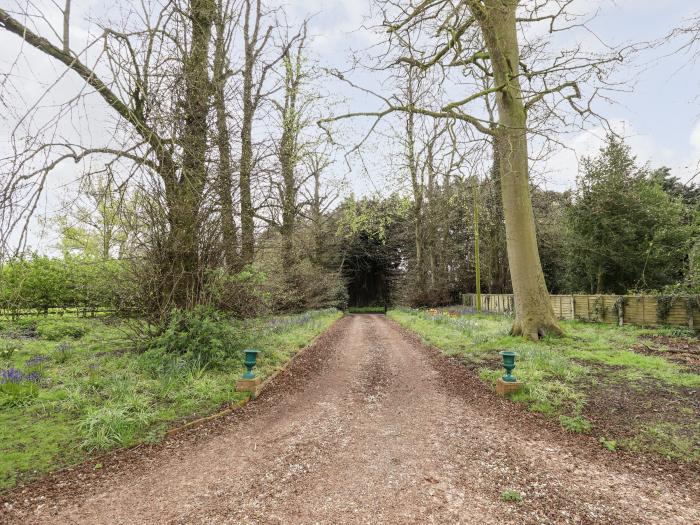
(368, 426)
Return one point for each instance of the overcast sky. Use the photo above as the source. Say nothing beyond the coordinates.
(660, 116)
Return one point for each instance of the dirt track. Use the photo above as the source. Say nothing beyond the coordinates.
(369, 426)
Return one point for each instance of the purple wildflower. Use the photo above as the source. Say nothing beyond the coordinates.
(15, 376)
(33, 377)
(10, 375)
(36, 360)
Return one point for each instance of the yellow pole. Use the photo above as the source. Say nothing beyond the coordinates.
(477, 267)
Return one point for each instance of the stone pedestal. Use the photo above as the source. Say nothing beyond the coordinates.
(505, 388)
(248, 385)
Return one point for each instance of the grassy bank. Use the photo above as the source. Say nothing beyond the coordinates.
(72, 387)
(631, 387)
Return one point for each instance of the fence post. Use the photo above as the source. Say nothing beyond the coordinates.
(620, 312)
(588, 308)
(561, 310)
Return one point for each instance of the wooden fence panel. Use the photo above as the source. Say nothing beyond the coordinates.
(633, 310)
(638, 309)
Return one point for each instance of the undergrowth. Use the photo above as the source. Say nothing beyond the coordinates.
(92, 390)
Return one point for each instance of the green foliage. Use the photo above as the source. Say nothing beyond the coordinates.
(62, 352)
(106, 394)
(578, 424)
(57, 329)
(114, 424)
(668, 439)
(366, 310)
(619, 306)
(625, 231)
(599, 309)
(243, 294)
(664, 304)
(372, 233)
(202, 334)
(42, 283)
(17, 394)
(609, 444)
(8, 348)
(98, 220)
(692, 304)
(511, 496)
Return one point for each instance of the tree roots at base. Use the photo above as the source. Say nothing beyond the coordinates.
(534, 330)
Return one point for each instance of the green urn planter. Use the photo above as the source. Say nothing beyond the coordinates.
(509, 365)
(251, 357)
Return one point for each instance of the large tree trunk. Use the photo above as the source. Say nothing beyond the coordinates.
(184, 213)
(289, 201)
(246, 162)
(246, 167)
(225, 175)
(288, 157)
(533, 308)
(418, 194)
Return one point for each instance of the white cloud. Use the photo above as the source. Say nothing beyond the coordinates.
(561, 169)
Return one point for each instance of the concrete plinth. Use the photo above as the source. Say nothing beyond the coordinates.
(248, 385)
(505, 388)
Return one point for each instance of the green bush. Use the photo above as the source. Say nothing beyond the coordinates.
(22, 328)
(41, 283)
(203, 335)
(55, 330)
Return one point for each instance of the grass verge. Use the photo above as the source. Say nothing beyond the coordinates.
(366, 310)
(594, 380)
(79, 386)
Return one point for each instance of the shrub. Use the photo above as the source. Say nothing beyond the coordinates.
(243, 294)
(202, 334)
(23, 329)
(55, 330)
(41, 283)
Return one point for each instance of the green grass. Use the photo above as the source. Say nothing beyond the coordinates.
(366, 310)
(96, 392)
(561, 374)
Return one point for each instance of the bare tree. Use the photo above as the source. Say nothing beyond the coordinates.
(535, 89)
(161, 121)
(224, 25)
